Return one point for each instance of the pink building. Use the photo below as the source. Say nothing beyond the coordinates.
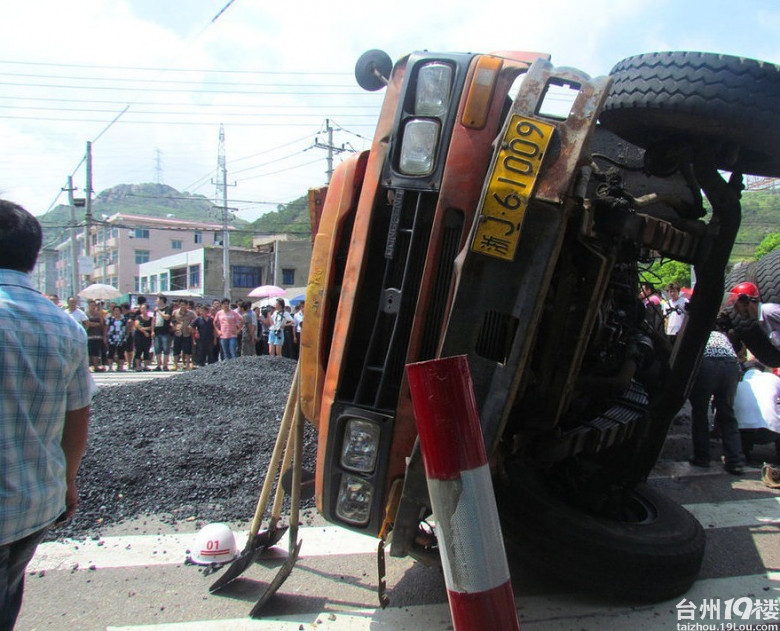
(122, 242)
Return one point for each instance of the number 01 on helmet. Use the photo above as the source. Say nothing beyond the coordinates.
(214, 543)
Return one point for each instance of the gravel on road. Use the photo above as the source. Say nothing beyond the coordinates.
(194, 446)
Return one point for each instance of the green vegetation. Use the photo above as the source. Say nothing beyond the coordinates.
(758, 233)
(760, 218)
(661, 274)
(770, 242)
(292, 218)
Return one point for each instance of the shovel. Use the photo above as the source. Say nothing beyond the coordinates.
(258, 543)
(295, 501)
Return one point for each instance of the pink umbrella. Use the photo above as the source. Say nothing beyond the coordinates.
(266, 291)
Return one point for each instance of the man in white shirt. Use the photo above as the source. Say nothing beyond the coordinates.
(755, 407)
(77, 314)
(674, 311)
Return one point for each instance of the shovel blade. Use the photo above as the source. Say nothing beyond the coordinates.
(263, 540)
(268, 538)
(234, 570)
(274, 585)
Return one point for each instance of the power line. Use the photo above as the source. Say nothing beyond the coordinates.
(274, 161)
(274, 115)
(82, 88)
(253, 106)
(159, 69)
(159, 122)
(165, 81)
(292, 168)
(176, 113)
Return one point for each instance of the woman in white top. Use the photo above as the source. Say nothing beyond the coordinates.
(281, 320)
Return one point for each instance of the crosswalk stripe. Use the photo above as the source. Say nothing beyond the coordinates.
(123, 378)
(736, 513)
(673, 469)
(548, 612)
(171, 549)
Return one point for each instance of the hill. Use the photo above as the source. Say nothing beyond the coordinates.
(153, 200)
(760, 216)
(292, 218)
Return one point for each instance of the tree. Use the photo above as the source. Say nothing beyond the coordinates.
(768, 243)
(662, 273)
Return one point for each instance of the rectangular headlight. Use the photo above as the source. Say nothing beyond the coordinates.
(354, 500)
(418, 149)
(434, 84)
(360, 446)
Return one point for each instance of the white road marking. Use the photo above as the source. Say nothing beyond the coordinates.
(143, 550)
(104, 379)
(171, 549)
(673, 469)
(731, 514)
(549, 612)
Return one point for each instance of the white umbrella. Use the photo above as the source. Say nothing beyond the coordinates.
(99, 291)
(266, 291)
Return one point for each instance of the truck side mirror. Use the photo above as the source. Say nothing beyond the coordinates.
(372, 70)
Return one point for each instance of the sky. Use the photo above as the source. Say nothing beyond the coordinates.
(149, 82)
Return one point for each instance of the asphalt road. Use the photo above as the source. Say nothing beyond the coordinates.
(135, 576)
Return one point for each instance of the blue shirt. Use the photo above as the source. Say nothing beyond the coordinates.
(43, 374)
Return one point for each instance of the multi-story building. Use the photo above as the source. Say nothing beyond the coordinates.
(64, 283)
(122, 242)
(45, 274)
(199, 273)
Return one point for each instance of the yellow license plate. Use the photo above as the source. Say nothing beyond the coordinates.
(510, 187)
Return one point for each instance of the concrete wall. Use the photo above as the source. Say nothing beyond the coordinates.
(249, 269)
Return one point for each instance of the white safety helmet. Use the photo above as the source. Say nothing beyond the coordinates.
(215, 543)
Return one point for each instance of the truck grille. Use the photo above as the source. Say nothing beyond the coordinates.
(386, 304)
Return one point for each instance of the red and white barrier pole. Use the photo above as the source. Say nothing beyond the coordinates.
(472, 550)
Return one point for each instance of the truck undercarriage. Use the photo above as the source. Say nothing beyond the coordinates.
(480, 224)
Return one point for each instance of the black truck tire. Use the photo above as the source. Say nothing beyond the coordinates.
(646, 560)
(764, 273)
(768, 276)
(742, 273)
(731, 103)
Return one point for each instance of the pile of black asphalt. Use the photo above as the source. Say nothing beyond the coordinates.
(196, 445)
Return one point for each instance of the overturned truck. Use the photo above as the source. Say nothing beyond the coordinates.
(504, 212)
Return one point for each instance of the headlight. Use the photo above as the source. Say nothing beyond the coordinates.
(361, 443)
(354, 501)
(419, 146)
(434, 84)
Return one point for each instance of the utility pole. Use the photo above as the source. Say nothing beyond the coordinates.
(222, 185)
(330, 147)
(74, 255)
(158, 165)
(88, 204)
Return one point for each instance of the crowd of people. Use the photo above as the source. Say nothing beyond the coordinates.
(183, 335)
(743, 392)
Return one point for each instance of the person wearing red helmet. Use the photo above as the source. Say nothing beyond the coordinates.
(746, 301)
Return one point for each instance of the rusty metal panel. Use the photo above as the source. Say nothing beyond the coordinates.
(574, 133)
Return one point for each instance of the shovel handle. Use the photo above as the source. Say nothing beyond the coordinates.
(276, 509)
(273, 465)
(295, 500)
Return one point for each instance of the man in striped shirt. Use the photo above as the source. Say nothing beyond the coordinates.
(44, 407)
